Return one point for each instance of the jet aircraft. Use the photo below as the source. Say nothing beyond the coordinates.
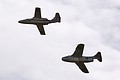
(77, 58)
(39, 21)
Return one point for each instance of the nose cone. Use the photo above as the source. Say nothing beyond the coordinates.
(25, 21)
(21, 21)
(64, 59)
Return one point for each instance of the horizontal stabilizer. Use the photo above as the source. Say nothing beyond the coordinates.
(98, 56)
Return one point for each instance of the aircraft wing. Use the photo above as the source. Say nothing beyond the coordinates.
(41, 29)
(79, 51)
(82, 67)
(37, 13)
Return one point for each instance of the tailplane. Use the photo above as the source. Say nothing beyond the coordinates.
(57, 18)
(98, 56)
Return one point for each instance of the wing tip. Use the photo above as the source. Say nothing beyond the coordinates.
(86, 71)
(42, 33)
(37, 8)
(79, 46)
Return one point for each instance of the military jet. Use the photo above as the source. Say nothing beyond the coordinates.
(39, 21)
(77, 58)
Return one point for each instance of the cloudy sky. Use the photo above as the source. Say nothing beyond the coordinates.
(26, 55)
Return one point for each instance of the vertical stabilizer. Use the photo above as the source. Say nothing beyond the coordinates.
(98, 56)
(57, 18)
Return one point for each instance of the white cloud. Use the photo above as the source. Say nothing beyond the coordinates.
(26, 55)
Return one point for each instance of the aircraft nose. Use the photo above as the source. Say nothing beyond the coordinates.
(63, 58)
(20, 21)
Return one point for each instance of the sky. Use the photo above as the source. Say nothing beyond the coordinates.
(27, 55)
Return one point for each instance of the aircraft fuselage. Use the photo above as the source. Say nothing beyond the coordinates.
(42, 21)
(78, 59)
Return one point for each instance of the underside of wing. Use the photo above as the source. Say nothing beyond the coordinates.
(82, 67)
(41, 29)
(79, 50)
(37, 13)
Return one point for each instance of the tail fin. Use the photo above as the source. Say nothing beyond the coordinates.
(57, 18)
(98, 56)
